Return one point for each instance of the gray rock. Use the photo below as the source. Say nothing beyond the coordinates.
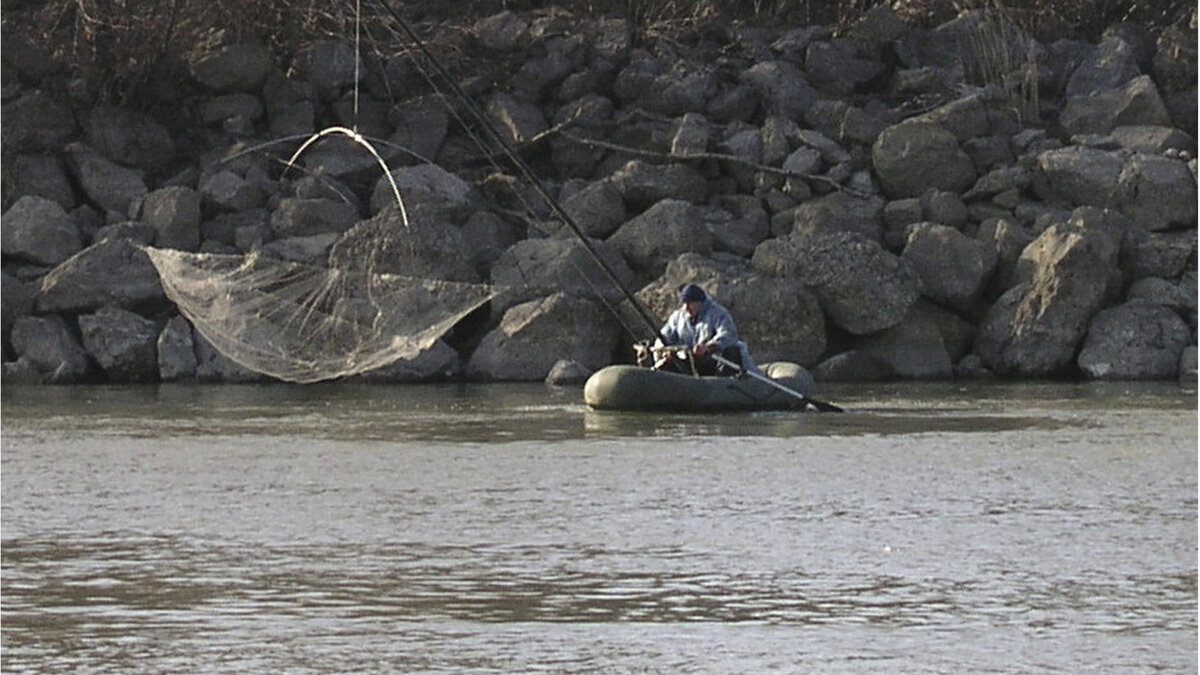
(174, 213)
(213, 366)
(290, 107)
(1136, 103)
(910, 158)
(490, 235)
(109, 272)
(1156, 254)
(220, 109)
(40, 231)
(1152, 139)
(122, 343)
(1036, 326)
(330, 66)
(107, 184)
(176, 351)
(421, 125)
(658, 235)
(234, 68)
(842, 211)
(597, 208)
(534, 268)
(840, 66)
(854, 366)
(966, 118)
(568, 373)
(533, 336)
(954, 268)
(37, 122)
(692, 134)
(776, 317)
(16, 301)
(501, 32)
(912, 349)
(42, 176)
(517, 120)
(427, 247)
(1078, 175)
(437, 363)
(1134, 341)
(642, 184)
(306, 217)
(842, 269)
(1157, 193)
(1108, 66)
(310, 250)
(1187, 367)
(130, 138)
(428, 188)
(48, 346)
(1007, 240)
(670, 88)
(226, 190)
(783, 87)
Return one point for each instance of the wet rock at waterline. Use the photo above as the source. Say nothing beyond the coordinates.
(866, 217)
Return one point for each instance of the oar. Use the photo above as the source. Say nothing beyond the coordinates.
(821, 406)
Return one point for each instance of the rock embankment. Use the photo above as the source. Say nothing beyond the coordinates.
(866, 204)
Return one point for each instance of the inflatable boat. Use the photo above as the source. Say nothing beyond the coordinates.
(625, 387)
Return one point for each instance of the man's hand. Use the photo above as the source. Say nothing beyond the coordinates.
(701, 350)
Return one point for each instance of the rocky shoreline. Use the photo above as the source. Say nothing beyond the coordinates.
(888, 202)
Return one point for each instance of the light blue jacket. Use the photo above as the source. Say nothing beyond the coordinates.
(713, 325)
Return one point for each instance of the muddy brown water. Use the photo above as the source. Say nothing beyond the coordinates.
(985, 527)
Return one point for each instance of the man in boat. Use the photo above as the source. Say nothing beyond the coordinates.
(695, 332)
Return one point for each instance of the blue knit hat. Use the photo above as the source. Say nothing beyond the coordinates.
(692, 293)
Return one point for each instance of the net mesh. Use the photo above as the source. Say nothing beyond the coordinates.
(304, 323)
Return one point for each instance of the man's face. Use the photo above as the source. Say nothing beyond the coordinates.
(693, 308)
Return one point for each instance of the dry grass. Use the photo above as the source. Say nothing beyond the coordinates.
(113, 50)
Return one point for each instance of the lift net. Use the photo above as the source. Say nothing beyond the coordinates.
(303, 323)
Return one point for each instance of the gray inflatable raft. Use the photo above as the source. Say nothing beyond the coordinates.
(627, 387)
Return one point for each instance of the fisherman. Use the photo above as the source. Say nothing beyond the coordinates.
(702, 328)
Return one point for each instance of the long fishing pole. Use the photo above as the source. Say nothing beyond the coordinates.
(525, 170)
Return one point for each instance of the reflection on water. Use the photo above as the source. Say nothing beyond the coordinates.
(934, 528)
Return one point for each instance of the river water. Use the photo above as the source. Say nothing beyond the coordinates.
(934, 528)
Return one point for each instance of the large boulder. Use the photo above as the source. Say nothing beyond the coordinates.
(861, 287)
(176, 351)
(664, 86)
(304, 217)
(425, 246)
(1035, 327)
(843, 211)
(953, 267)
(113, 271)
(912, 349)
(37, 121)
(670, 227)
(534, 335)
(1157, 192)
(1136, 103)
(1078, 175)
(841, 65)
(438, 362)
(42, 176)
(783, 88)
(597, 208)
(122, 343)
(912, 157)
(107, 184)
(534, 268)
(642, 184)
(1135, 341)
(46, 344)
(174, 213)
(428, 187)
(234, 68)
(40, 231)
(776, 317)
(130, 138)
